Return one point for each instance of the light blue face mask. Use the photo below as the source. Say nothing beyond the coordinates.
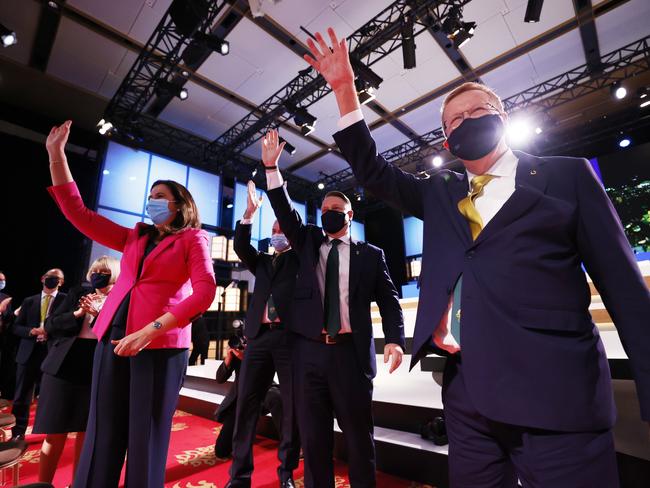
(3, 283)
(279, 242)
(158, 210)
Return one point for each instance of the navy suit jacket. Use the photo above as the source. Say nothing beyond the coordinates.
(369, 280)
(29, 318)
(279, 281)
(532, 355)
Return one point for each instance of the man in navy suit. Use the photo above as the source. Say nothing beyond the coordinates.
(527, 390)
(29, 326)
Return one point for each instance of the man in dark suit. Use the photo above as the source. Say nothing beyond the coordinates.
(7, 342)
(29, 326)
(527, 390)
(334, 350)
(267, 350)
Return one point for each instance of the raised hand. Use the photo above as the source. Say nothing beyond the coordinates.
(333, 64)
(57, 139)
(271, 148)
(254, 203)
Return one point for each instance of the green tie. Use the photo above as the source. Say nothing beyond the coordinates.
(332, 295)
(44, 306)
(468, 210)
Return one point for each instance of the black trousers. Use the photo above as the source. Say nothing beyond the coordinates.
(223, 444)
(487, 454)
(8, 347)
(28, 376)
(330, 381)
(267, 353)
(131, 407)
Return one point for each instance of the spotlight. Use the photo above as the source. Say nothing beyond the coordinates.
(618, 91)
(212, 42)
(303, 119)
(53, 5)
(408, 44)
(643, 92)
(624, 142)
(437, 161)
(321, 186)
(365, 92)
(288, 147)
(645, 104)
(519, 131)
(164, 87)
(359, 193)
(104, 127)
(457, 31)
(533, 11)
(7, 36)
(538, 130)
(365, 73)
(230, 205)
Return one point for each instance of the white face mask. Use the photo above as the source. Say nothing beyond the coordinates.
(279, 242)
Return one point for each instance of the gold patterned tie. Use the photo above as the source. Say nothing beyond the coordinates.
(466, 205)
(44, 306)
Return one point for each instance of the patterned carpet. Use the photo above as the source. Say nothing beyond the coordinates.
(191, 462)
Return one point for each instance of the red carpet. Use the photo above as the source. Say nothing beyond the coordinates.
(191, 462)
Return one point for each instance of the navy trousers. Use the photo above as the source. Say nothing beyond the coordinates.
(28, 376)
(488, 454)
(131, 408)
(328, 381)
(265, 354)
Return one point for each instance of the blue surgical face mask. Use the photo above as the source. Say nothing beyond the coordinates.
(3, 283)
(158, 210)
(279, 242)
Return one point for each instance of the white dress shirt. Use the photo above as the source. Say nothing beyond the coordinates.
(494, 196)
(274, 180)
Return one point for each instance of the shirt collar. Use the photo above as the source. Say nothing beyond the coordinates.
(346, 239)
(53, 295)
(506, 165)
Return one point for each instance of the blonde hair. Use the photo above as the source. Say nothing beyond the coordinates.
(105, 263)
(471, 85)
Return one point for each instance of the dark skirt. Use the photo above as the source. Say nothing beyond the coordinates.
(64, 399)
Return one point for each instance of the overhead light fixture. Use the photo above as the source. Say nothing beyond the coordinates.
(359, 193)
(538, 130)
(458, 31)
(188, 14)
(624, 142)
(365, 92)
(618, 91)
(645, 104)
(408, 44)
(7, 36)
(643, 92)
(164, 87)
(104, 127)
(287, 146)
(302, 118)
(437, 161)
(212, 42)
(365, 73)
(230, 205)
(321, 186)
(533, 11)
(519, 131)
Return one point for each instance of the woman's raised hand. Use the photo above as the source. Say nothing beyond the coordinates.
(57, 139)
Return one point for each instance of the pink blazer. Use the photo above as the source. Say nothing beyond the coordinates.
(177, 276)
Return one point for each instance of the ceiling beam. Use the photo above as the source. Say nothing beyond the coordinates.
(587, 21)
(48, 26)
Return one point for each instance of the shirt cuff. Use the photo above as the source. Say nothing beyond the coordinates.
(350, 118)
(273, 180)
(246, 221)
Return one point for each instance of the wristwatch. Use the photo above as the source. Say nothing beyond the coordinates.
(157, 325)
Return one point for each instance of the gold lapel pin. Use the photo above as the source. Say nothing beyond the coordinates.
(533, 171)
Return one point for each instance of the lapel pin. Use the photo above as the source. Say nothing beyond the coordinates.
(533, 171)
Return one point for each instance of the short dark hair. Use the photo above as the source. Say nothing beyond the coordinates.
(338, 194)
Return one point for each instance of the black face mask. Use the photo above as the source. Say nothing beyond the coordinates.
(333, 221)
(99, 280)
(476, 138)
(51, 282)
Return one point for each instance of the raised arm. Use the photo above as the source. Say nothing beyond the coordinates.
(384, 180)
(242, 244)
(67, 197)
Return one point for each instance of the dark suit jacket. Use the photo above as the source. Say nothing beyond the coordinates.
(7, 317)
(62, 329)
(279, 281)
(223, 374)
(531, 353)
(369, 280)
(29, 318)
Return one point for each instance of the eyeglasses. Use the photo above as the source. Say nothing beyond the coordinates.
(473, 113)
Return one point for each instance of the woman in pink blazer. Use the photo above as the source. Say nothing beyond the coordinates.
(166, 281)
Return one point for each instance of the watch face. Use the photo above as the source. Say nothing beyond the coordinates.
(157, 325)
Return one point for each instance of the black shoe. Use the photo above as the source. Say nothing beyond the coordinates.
(288, 483)
(18, 438)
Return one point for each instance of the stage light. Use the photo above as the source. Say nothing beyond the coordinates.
(458, 31)
(7, 36)
(465, 34)
(365, 92)
(104, 127)
(230, 205)
(538, 130)
(624, 142)
(519, 131)
(303, 119)
(618, 91)
(437, 161)
(366, 74)
(321, 186)
(183, 94)
(287, 147)
(106, 172)
(533, 11)
(164, 87)
(645, 104)
(408, 44)
(212, 42)
(188, 14)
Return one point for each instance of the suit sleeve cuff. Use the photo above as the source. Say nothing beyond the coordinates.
(273, 180)
(349, 119)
